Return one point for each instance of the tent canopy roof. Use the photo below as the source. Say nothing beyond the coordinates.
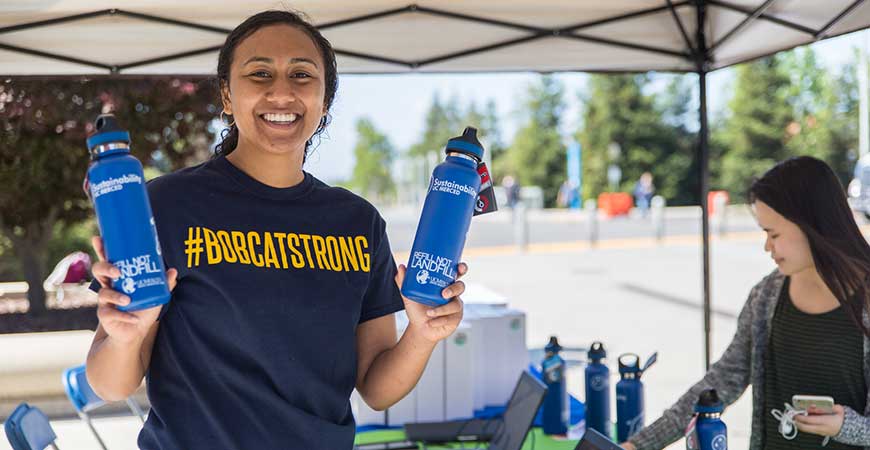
(162, 37)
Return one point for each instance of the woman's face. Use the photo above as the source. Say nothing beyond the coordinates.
(276, 89)
(786, 243)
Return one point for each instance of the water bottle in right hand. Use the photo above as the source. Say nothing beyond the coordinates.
(444, 222)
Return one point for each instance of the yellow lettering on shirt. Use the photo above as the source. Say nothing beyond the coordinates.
(255, 258)
(226, 246)
(270, 250)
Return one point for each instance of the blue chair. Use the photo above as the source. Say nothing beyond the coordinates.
(85, 400)
(27, 428)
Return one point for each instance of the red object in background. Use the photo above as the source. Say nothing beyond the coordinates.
(615, 203)
(74, 268)
(711, 200)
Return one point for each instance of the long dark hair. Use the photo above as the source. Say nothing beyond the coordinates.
(806, 191)
(230, 136)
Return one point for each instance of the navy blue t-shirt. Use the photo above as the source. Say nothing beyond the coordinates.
(257, 348)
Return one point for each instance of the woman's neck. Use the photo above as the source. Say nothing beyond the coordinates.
(279, 170)
(810, 294)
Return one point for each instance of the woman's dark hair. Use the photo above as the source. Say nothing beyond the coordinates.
(230, 136)
(806, 191)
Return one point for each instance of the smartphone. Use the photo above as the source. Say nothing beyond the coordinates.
(822, 403)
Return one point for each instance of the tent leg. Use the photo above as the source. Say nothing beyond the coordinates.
(704, 159)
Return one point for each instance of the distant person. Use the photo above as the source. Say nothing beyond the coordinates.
(643, 192)
(511, 189)
(567, 196)
(804, 328)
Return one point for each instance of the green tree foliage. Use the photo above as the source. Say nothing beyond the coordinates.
(783, 106)
(492, 131)
(825, 112)
(754, 134)
(488, 131)
(537, 156)
(649, 130)
(442, 121)
(374, 154)
(43, 159)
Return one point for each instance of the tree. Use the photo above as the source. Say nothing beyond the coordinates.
(490, 124)
(648, 131)
(488, 131)
(374, 157)
(43, 159)
(537, 155)
(438, 129)
(826, 112)
(755, 134)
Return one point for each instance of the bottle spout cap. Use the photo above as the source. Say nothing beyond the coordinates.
(596, 351)
(107, 130)
(629, 363)
(709, 402)
(466, 144)
(553, 346)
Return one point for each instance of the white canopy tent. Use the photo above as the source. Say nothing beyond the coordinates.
(171, 37)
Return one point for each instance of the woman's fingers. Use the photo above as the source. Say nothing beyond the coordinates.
(454, 290)
(172, 278)
(108, 296)
(108, 314)
(453, 307)
(105, 273)
(444, 321)
(461, 270)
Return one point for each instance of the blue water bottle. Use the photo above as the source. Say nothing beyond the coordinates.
(629, 395)
(117, 187)
(444, 222)
(557, 413)
(710, 432)
(598, 390)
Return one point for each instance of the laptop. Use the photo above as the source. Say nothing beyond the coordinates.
(593, 440)
(505, 433)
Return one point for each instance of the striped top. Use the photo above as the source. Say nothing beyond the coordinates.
(811, 354)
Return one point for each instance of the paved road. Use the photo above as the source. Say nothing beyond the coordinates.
(552, 226)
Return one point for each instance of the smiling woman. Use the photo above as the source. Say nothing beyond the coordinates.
(283, 288)
(271, 72)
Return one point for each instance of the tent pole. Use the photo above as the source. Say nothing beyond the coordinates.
(704, 154)
(702, 60)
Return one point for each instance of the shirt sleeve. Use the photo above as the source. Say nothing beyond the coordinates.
(855, 429)
(382, 296)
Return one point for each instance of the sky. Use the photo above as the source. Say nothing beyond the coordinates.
(397, 104)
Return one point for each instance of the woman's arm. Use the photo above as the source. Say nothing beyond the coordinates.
(386, 370)
(121, 349)
(115, 368)
(730, 376)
